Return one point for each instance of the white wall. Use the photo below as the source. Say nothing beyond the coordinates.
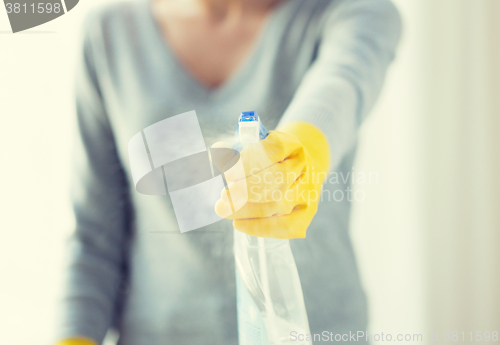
(427, 236)
(462, 121)
(36, 109)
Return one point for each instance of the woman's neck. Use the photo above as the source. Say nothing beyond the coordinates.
(215, 10)
(210, 45)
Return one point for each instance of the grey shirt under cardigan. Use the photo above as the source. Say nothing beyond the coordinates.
(317, 61)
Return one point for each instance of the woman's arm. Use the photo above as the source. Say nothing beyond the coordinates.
(98, 247)
(357, 46)
(320, 125)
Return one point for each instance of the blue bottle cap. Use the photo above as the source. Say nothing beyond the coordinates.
(249, 116)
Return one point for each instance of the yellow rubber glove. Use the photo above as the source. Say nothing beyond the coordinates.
(77, 341)
(281, 183)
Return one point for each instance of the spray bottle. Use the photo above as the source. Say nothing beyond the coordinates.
(270, 302)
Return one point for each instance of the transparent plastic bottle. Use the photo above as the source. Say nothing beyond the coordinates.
(270, 302)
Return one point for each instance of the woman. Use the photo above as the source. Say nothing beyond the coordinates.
(310, 68)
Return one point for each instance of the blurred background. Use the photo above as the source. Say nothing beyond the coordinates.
(427, 234)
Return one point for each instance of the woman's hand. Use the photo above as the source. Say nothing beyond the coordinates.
(280, 186)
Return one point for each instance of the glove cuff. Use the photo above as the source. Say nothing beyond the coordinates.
(77, 341)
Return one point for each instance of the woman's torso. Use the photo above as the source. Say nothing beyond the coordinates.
(182, 286)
